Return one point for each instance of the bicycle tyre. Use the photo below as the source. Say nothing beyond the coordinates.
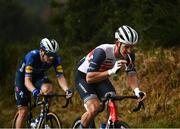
(52, 121)
(77, 123)
(15, 119)
(121, 125)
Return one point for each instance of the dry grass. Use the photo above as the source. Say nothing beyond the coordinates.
(159, 75)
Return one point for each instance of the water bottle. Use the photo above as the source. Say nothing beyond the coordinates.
(103, 126)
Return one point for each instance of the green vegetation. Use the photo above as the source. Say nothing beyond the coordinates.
(158, 71)
(96, 20)
(83, 21)
(81, 25)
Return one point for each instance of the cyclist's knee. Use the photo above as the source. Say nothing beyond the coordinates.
(23, 111)
(92, 107)
(46, 88)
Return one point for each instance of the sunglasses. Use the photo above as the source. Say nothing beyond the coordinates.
(129, 46)
(49, 54)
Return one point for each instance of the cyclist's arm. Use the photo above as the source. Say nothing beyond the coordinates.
(93, 77)
(131, 71)
(93, 74)
(59, 73)
(133, 80)
(28, 83)
(62, 82)
(134, 84)
(28, 73)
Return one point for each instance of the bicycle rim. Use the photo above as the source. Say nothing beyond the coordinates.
(76, 123)
(52, 121)
(14, 120)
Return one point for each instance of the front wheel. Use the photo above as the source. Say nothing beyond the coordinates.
(121, 125)
(15, 119)
(77, 122)
(52, 121)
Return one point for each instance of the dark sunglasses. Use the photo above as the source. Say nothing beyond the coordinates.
(49, 54)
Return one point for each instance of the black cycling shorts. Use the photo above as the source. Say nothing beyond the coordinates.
(95, 90)
(22, 94)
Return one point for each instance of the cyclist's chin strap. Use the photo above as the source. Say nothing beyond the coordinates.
(117, 53)
(42, 53)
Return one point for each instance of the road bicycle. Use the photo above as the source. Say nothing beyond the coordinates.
(45, 119)
(113, 120)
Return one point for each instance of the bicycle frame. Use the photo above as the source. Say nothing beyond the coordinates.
(44, 113)
(112, 111)
(112, 108)
(113, 120)
(45, 107)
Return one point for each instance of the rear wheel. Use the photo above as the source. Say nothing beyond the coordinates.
(52, 121)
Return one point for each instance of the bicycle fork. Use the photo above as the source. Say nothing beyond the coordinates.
(43, 115)
(113, 117)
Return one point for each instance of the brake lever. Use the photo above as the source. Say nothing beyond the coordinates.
(67, 103)
(140, 105)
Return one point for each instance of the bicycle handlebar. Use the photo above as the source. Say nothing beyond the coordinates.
(120, 98)
(47, 97)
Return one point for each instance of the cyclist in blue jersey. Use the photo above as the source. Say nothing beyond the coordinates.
(105, 60)
(31, 76)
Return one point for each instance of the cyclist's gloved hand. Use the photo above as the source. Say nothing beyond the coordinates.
(69, 93)
(116, 67)
(36, 92)
(139, 94)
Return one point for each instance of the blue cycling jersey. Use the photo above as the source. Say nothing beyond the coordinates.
(33, 66)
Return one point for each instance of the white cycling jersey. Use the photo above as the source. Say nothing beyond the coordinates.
(108, 58)
(102, 58)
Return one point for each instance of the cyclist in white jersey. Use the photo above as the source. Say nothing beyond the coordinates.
(105, 60)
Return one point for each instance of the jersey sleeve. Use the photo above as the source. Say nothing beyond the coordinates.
(58, 67)
(130, 66)
(29, 60)
(97, 59)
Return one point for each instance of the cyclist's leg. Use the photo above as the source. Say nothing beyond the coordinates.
(22, 104)
(22, 99)
(20, 121)
(104, 88)
(90, 98)
(92, 106)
